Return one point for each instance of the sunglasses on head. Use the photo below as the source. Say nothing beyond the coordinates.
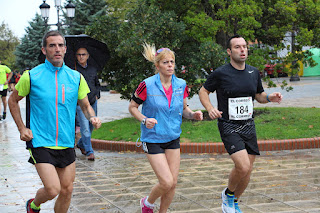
(160, 50)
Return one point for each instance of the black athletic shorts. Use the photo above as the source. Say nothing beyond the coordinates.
(237, 136)
(158, 148)
(4, 92)
(60, 158)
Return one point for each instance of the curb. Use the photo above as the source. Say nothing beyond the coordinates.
(201, 148)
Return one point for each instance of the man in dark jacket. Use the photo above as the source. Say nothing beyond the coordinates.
(89, 71)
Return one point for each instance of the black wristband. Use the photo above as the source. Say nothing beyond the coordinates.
(137, 100)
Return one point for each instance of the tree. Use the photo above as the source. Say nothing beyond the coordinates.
(8, 43)
(119, 8)
(275, 20)
(197, 31)
(86, 12)
(268, 22)
(147, 22)
(222, 19)
(282, 18)
(28, 51)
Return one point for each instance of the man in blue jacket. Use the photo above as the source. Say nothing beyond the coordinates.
(53, 91)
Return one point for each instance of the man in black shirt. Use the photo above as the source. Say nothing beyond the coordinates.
(89, 72)
(237, 85)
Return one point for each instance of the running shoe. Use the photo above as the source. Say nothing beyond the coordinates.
(236, 207)
(4, 115)
(28, 207)
(227, 202)
(144, 208)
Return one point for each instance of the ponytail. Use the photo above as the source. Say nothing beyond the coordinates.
(149, 52)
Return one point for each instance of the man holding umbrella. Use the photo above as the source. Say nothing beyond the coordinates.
(88, 56)
(89, 71)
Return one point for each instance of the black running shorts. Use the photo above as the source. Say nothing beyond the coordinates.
(159, 148)
(60, 158)
(239, 136)
(4, 92)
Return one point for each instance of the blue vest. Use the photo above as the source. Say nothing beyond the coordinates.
(156, 106)
(52, 105)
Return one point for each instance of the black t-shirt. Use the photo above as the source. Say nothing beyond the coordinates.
(229, 82)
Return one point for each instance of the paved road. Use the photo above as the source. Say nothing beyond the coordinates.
(286, 181)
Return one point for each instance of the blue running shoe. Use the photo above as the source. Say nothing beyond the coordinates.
(227, 202)
(236, 207)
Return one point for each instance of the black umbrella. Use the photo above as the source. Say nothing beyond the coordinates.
(99, 52)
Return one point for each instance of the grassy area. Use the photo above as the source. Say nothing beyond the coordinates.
(271, 123)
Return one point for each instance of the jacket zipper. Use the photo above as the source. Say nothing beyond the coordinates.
(57, 123)
(63, 93)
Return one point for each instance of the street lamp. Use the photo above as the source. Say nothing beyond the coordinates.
(44, 7)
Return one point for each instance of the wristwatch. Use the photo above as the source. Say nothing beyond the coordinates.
(144, 121)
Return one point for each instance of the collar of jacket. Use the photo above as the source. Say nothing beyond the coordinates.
(53, 68)
(159, 84)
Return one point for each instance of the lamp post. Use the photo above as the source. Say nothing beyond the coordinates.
(45, 8)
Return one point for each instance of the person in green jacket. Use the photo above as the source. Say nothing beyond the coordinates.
(4, 81)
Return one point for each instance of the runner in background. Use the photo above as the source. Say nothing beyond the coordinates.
(4, 83)
(12, 81)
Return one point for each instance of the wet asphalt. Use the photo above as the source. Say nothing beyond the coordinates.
(284, 181)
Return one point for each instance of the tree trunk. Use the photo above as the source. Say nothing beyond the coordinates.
(221, 38)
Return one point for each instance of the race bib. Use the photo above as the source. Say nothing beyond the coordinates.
(1, 87)
(240, 108)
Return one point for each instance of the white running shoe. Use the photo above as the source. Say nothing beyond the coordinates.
(227, 202)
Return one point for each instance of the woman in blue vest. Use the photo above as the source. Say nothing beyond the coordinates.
(163, 99)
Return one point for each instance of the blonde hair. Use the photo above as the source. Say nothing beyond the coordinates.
(151, 54)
